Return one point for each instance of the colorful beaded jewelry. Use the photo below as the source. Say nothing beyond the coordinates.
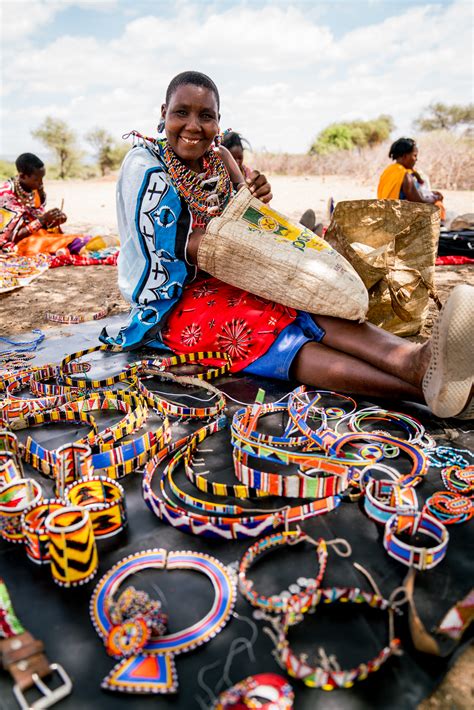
(412, 523)
(164, 405)
(35, 536)
(328, 675)
(72, 547)
(459, 480)
(104, 499)
(206, 193)
(197, 358)
(384, 498)
(279, 603)
(125, 374)
(264, 691)
(16, 498)
(152, 670)
(443, 456)
(450, 508)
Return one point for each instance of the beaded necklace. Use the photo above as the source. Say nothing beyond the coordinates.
(28, 198)
(206, 193)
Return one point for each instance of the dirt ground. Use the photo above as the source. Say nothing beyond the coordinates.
(85, 290)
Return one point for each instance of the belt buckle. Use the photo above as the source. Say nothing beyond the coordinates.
(50, 696)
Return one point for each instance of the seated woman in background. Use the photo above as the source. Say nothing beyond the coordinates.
(25, 227)
(401, 182)
(163, 208)
(234, 143)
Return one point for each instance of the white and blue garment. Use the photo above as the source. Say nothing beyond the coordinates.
(154, 225)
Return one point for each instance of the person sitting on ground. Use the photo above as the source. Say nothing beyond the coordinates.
(401, 182)
(26, 227)
(163, 209)
(234, 143)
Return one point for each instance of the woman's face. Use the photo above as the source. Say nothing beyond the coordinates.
(33, 181)
(409, 159)
(191, 122)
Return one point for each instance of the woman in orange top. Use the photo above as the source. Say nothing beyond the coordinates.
(25, 226)
(401, 182)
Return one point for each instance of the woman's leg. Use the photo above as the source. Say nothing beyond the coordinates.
(322, 367)
(386, 352)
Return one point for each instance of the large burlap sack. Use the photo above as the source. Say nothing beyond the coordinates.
(392, 244)
(257, 249)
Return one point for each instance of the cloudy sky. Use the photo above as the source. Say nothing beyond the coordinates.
(284, 69)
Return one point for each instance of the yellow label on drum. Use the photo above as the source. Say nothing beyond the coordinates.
(267, 220)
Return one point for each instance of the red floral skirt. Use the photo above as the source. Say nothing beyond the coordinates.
(212, 315)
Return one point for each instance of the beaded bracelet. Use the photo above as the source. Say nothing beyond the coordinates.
(384, 498)
(459, 480)
(165, 406)
(414, 429)
(412, 523)
(72, 547)
(34, 226)
(245, 420)
(279, 603)
(450, 508)
(165, 363)
(74, 318)
(10, 449)
(8, 469)
(104, 499)
(16, 498)
(136, 673)
(125, 374)
(328, 675)
(33, 527)
(14, 407)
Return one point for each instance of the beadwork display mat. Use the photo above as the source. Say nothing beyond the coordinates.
(60, 617)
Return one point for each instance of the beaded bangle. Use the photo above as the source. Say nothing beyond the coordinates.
(125, 374)
(14, 407)
(459, 480)
(450, 507)
(136, 674)
(412, 523)
(384, 498)
(415, 431)
(174, 409)
(8, 469)
(72, 547)
(162, 364)
(35, 536)
(279, 603)
(74, 319)
(328, 675)
(104, 499)
(10, 449)
(16, 498)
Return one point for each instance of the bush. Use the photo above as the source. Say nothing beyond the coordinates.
(7, 169)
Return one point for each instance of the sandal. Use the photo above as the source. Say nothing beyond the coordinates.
(449, 377)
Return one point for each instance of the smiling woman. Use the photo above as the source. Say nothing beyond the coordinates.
(168, 192)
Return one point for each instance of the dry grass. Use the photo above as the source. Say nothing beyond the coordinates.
(446, 158)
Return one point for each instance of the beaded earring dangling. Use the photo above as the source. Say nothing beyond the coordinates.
(161, 125)
(218, 140)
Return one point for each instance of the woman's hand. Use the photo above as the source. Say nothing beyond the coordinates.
(52, 218)
(437, 195)
(259, 186)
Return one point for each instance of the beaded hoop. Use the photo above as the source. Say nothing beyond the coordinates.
(279, 603)
(153, 670)
(328, 676)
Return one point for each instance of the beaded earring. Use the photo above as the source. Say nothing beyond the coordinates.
(218, 140)
(161, 125)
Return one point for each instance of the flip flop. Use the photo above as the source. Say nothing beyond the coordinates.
(449, 377)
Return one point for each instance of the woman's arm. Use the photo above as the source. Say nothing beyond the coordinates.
(412, 193)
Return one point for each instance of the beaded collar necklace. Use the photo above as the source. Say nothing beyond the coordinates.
(28, 198)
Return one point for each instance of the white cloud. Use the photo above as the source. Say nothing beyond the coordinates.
(282, 76)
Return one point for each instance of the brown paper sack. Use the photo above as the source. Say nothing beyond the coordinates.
(255, 248)
(392, 244)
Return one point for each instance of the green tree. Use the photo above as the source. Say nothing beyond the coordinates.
(439, 116)
(353, 134)
(108, 153)
(61, 141)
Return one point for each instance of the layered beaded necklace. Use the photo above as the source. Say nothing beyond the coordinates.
(206, 193)
(28, 198)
